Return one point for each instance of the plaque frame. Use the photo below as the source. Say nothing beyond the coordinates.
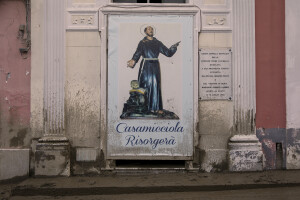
(215, 94)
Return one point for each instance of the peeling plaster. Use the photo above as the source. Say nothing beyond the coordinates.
(289, 138)
(268, 138)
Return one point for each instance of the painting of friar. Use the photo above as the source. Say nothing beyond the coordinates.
(145, 97)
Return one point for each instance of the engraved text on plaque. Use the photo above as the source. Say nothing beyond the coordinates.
(215, 74)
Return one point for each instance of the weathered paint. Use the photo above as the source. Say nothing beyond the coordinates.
(270, 64)
(14, 76)
(293, 149)
(289, 139)
(269, 138)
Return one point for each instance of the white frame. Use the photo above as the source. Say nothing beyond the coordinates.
(145, 10)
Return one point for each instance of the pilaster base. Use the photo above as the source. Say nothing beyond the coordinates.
(245, 153)
(52, 157)
(293, 156)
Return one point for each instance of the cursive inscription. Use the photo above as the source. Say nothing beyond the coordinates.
(153, 142)
(125, 128)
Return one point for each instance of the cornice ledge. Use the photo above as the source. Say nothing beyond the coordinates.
(150, 9)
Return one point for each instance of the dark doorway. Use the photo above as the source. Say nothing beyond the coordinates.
(155, 1)
(150, 163)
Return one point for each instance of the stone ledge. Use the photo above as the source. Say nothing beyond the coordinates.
(244, 138)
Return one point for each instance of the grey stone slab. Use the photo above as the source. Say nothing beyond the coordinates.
(14, 163)
(52, 159)
(86, 154)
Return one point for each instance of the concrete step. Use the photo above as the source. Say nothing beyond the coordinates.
(155, 183)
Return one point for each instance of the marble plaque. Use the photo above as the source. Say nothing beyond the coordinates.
(215, 74)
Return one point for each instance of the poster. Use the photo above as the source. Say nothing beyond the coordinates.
(150, 86)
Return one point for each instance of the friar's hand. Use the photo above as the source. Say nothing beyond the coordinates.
(175, 45)
(131, 63)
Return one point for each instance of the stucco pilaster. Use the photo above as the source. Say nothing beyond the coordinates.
(244, 148)
(52, 151)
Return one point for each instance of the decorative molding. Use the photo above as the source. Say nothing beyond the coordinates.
(54, 67)
(82, 19)
(83, 14)
(215, 15)
(186, 9)
(88, 18)
(216, 21)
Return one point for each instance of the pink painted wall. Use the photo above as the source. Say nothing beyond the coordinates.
(270, 64)
(14, 76)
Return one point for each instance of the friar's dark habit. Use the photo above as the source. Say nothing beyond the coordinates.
(149, 72)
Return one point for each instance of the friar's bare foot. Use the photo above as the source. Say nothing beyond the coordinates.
(160, 112)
